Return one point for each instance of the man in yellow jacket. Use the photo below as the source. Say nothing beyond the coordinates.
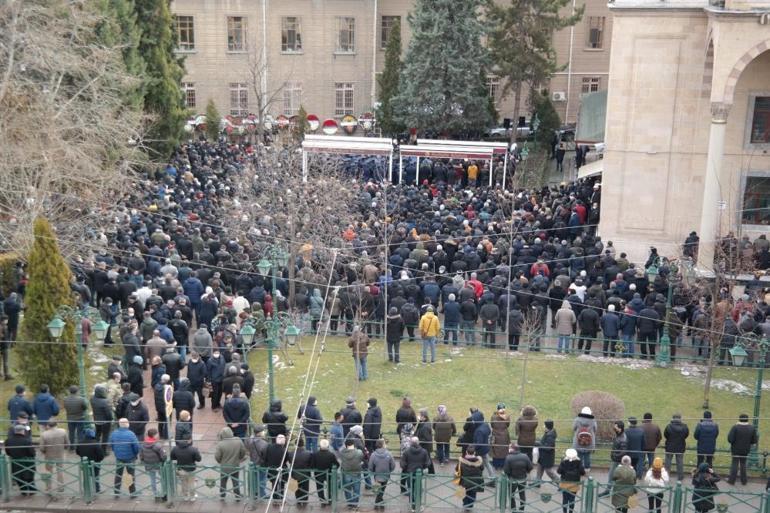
(429, 329)
(473, 174)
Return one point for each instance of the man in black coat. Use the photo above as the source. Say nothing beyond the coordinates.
(174, 365)
(196, 373)
(676, 434)
(275, 460)
(22, 455)
(647, 324)
(350, 416)
(183, 398)
(248, 380)
(372, 425)
(102, 411)
(741, 437)
(237, 413)
(517, 467)
(90, 448)
(323, 463)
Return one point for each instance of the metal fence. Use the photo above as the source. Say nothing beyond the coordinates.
(87, 481)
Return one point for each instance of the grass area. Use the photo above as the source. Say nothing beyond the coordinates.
(462, 378)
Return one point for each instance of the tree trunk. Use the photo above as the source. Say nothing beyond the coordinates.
(516, 110)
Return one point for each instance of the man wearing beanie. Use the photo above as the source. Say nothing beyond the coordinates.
(741, 437)
(517, 467)
(676, 434)
(635, 437)
(652, 437)
(706, 433)
(372, 425)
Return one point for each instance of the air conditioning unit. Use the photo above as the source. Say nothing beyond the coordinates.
(559, 96)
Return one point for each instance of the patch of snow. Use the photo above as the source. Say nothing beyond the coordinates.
(730, 386)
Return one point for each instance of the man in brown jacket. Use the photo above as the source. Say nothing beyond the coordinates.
(53, 442)
(444, 429)
(359, 343)
(652, 437)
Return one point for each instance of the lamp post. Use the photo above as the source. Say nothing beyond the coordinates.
(277, 259)
(739, 355)
(664, 355)
(66, 313)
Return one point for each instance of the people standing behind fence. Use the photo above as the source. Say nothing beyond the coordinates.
(125, 445)
(91, 449)
(676, 434)
(571, 471)
(742, 437)
(706, 434)
(655, 485)
(584, 436)
(229, 453)
(53, 443)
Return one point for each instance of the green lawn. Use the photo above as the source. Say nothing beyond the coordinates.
(482, 378)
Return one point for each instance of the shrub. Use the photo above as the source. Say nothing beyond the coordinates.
(8, 273)
(47, 361)
(606, 408)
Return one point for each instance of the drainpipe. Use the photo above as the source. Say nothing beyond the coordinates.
(374, 55)
(569, 65)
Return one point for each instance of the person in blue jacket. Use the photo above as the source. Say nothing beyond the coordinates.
(706, 433)
(18, 403)
(125, 446)
(628, 331)
(610, 324)
(45, 406)
(452, 319)
(481, 440)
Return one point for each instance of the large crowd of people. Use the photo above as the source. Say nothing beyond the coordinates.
(446, 256)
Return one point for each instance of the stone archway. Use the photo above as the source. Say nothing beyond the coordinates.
(735, 73)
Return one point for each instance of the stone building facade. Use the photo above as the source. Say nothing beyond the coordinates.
(688, 124)
(326, 54)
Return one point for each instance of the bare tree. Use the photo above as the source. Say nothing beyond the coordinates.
(307, 219)
(66, 127)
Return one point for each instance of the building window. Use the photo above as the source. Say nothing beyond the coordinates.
(185, 32)
(343, 98)
(189, 94)
(292, 98)
(291, 38)
(236, 33)
(756, 200)
(386, 26)
(595, 32)
(346, 34)
(239, 99)
(760, 120)
(590, 85)
(493, 86)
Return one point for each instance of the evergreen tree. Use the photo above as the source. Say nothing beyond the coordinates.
(547, 117)
(163, 98)
(301, 125)
(388, 83)
(119, 29)
(439, 87)
(47, 361)
(521, 42)
(212, 121)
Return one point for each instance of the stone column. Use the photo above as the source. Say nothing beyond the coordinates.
(712, 193)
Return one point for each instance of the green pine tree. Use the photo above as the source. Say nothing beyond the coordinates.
(388, 83)
(163, 75)
(521, 42)
(547, 117)
(47, 361)
(212, 121)
(119, 29)
(301, 125)
(439, 86)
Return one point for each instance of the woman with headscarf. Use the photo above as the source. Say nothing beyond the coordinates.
(704, 482)
(501, 438)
